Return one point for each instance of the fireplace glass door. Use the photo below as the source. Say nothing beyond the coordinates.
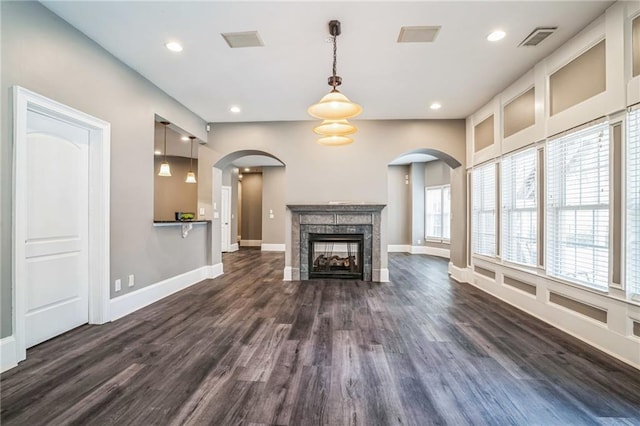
(335, 256)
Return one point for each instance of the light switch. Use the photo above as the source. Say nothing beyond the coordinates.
(215, 206)
(201, 211)
(118, 285)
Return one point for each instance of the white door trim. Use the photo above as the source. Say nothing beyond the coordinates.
(99, 203)
(225, 214)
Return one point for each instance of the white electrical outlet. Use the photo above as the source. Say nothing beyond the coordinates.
(419, 242)
(118, 285)
(131, 280)
(201, 211)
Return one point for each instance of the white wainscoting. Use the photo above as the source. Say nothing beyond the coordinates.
(613, 338)
(131, 302)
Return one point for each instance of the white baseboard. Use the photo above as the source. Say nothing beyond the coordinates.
(398, 248)
(272, 247)
(431, 251)
(131, 302)
(250, 243)
(461, 275)
(287, 273)
(233, 247)
(384, 275)
(8, 356)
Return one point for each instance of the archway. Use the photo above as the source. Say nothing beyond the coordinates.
(425, 187)
(250, 187)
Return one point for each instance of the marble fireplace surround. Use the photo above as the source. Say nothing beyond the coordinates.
(335, 218)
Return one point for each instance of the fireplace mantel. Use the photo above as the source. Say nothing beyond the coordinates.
(337, 218)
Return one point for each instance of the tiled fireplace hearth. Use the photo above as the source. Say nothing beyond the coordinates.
(361, 221)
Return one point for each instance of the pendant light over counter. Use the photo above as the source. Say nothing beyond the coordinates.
(165, 170)
(334, 108)
(191, 177)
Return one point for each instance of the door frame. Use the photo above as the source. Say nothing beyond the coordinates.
(225, 209)
(99, 206)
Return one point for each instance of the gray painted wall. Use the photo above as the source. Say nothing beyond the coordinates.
(417, 203)
(44, 54)
(251, 228)
(436, 173)
(399, 206)
(319, 174)
(273, 189)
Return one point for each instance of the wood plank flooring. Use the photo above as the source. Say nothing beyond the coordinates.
(249, 348)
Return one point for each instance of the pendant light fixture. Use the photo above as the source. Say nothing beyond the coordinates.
(191, 177)
(334, 108)
(165, 170)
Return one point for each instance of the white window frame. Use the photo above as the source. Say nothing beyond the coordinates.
(476, 214)
(631, 222)
(435, 238)
(554, 209)
(509, 192)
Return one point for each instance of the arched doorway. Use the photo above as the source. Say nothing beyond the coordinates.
(423, 191)
(252, 206)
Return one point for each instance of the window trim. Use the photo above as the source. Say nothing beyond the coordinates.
(435, 239)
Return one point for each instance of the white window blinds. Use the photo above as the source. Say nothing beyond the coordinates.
(484, 210)
(578, 206)
(437, 212)
(633, 204)
(519, 213)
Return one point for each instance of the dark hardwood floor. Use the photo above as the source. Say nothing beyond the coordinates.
(248, 348)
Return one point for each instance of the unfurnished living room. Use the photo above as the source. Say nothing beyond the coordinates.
(305, 212)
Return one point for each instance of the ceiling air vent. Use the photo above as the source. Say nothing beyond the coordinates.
(537, 35)
(243, 39)
(418, 34)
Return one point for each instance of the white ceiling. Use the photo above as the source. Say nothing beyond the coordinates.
(461, 70)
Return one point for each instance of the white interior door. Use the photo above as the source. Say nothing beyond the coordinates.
(226, 218)
(57, 222)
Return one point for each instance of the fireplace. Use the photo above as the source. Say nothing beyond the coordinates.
(336, 256)
(355, 223)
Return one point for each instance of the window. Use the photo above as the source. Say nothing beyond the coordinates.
(633, 204)
(437, 213)
(519, 213)
(484, 210)
(578, 206)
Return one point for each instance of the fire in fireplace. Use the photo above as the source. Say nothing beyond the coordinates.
(336, 256)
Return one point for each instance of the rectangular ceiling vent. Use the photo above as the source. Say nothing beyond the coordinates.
(418, 34)
(537, 35)
(243, 39)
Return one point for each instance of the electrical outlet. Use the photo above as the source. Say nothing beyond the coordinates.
(419, 242)
(131, 280)
(118, 285)
(201, 211)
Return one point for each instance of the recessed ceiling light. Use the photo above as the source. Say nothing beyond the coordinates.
(235, 109)
(184, 138)
(496, 35)
(246, 169)
(174, 46)
(240, 176)
(157, 152)
(435, 105)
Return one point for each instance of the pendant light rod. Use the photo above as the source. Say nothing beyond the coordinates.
(191, 154)
(165, 169)
(335, 30)
(165, 124)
